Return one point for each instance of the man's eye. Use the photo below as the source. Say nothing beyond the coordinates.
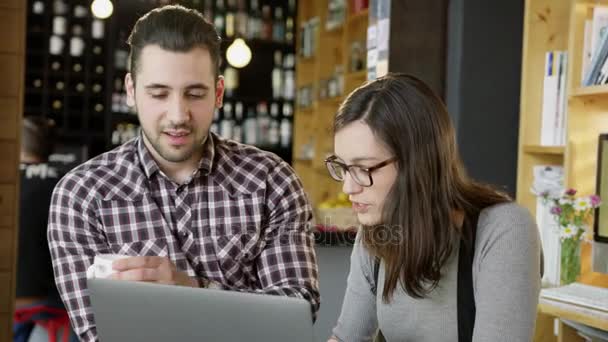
(158, 95)
(195, 95)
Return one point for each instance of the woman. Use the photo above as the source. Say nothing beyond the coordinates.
(453, 260)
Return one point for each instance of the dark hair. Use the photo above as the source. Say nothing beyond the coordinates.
(418, 225)
(38, 137)
(174, 28)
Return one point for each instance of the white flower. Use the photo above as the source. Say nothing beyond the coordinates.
(565, 201)
(569, 231)
(582, 204)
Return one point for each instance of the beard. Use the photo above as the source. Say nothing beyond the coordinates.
(172, 153)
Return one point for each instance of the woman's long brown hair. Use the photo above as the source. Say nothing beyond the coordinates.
(418, 232)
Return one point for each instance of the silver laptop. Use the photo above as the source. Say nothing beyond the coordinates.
(135, 311)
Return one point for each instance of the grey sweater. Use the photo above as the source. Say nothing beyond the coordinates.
(506, 281)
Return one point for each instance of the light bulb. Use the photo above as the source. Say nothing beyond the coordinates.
(102, 9)
(238, 53)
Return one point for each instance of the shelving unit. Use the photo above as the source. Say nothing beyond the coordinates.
(313, 124)
(559, 25)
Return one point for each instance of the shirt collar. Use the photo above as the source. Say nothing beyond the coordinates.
(150, 166)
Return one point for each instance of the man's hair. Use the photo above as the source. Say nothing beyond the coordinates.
(173, 28)
(38, 137)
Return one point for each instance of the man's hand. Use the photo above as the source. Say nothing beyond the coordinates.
(153, 269)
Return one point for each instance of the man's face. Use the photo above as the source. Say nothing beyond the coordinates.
(175, 94)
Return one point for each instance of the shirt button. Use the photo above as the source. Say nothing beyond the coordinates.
(184, 234)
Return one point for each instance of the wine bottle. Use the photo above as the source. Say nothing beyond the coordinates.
(266, 23)
(278, 25)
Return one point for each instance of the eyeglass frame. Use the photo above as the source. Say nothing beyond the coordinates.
(369, 170)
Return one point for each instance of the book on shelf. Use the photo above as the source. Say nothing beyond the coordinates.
(548, 178)
(596, 70)
(554, 109)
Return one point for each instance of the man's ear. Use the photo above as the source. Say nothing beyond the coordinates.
(219, 92)
(130, 88)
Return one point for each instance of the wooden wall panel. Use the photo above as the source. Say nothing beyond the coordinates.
(9, 116)
(12, 59)
(6, 249)
(11, 70)
(9, 24)
(6, 292)
(9, 160)
(5, 327)
(8, 201)
(12, 4)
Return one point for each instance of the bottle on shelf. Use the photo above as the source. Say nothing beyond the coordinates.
(266, 23)
(230, 19)
(251, 128)
(277, 75)
(263, 121)
(289, 77)
(254, 22)
(97, 29)
(59, 26)
(241, 19)
(274, 134)
(285, 132)
(289, 30)
(60, 7)
(237, 131)
(80, 11)
(231, 76)
(227, 124)
(38, 7)
(97, 88)
(278, 25)
(219, 20)
(56, 44)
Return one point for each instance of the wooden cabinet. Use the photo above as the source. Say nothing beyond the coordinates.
(560, 25)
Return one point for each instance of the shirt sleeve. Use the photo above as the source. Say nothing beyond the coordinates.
(358, 320)
(287, 264)
(507, 281)
(74, 239)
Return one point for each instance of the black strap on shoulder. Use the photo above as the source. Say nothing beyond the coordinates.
(466, 298)
(376, 270)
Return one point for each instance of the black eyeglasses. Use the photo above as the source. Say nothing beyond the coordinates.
(361, 175)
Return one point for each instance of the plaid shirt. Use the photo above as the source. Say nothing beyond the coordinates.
(242, 221)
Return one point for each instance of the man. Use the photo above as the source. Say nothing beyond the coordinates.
(196, 210)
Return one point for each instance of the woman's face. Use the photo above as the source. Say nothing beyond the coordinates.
(355, 144)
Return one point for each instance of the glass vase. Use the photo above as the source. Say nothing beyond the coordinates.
(570, 261)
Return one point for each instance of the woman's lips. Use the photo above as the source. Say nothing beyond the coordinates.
(360, 208)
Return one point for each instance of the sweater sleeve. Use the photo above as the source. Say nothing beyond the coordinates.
(357, 321)
(506, 275)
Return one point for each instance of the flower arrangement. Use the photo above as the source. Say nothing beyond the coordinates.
(572, 215)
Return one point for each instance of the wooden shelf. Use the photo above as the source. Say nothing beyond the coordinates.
(332, 48)
(538, 149)
(305, 110)
(357, 75)
(337, 30)
(306, 60)
(332, 101)
(597, 90)
(358, 16)
(573, 312)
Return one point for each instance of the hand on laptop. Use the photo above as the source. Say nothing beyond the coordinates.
(152, 269)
